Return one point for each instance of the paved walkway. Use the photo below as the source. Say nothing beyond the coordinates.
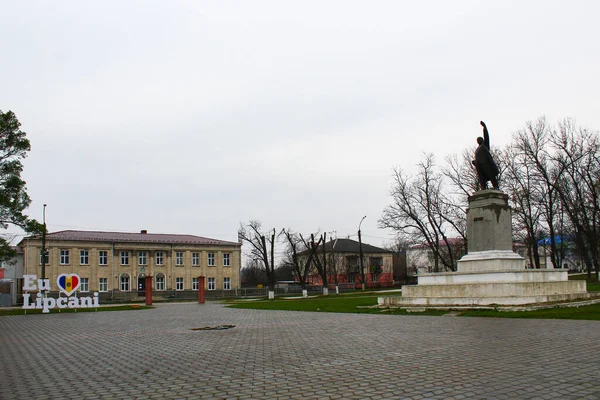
(293, 355)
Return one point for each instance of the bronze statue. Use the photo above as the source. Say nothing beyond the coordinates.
(487, 170)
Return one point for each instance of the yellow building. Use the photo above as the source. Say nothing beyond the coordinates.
(119, 262)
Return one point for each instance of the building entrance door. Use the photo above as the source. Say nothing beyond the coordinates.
(141, 285)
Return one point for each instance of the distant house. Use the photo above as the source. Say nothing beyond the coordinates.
(344, 264)
(11, 279)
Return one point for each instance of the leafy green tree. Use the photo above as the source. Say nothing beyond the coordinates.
(14, 199)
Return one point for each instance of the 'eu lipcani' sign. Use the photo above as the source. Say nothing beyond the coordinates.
(67, 283)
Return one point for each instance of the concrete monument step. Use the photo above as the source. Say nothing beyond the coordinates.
(495, 289)
(481, 301)
(528, 275)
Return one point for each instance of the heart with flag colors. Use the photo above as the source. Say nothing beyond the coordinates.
(68, 283)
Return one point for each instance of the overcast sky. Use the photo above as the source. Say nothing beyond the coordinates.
(193, 116)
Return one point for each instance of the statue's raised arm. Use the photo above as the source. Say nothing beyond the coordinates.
(487, 170)
(486, 135)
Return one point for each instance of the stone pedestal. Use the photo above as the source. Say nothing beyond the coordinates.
(490, 273)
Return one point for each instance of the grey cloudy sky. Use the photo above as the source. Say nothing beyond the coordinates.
(192, 116)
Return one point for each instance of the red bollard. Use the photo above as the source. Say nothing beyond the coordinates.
(200, 290)
(148, 285)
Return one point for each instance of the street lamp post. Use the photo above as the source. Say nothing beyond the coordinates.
(362, 268)
(44, 245)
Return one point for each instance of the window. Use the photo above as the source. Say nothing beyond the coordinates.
(125, 258)
(64, 257)
(352, 262)
(160, 282)
(211, 259)
(376, 261)
(103, 283)
(160, 258)
(226, 260)
(124, 281)
(142, 258)
(84, 258)
(47, 257)
(195, 259)
(376, 265)
(103, 257)
(194, 283)
(179, 258)
(178, 283)
(84, 286)
(226, 283)
(211, 283)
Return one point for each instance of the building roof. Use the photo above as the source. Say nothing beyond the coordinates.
(17, 249)
(142, 237)
(349, 246)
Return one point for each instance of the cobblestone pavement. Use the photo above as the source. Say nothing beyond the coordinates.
(294, 355)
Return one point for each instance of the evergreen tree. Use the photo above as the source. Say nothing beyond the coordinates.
(14, 199)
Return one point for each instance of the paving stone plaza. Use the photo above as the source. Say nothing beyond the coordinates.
(294, 355)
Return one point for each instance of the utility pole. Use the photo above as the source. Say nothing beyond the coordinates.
(362, 267)
(44, 245)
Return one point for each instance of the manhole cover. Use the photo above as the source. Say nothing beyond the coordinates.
(213, 328)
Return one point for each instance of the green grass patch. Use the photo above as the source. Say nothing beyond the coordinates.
(347, 304)
(339, 304)
(590, 312)
(593, 287)
(582, 277)
(72, 310)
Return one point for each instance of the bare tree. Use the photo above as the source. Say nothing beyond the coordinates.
(463, 177)
(523, 188)
(284, 272)
(319, 260)
(399, 247)
(577, 153)
(253, 273)
(422, 214)
(561, 167)
(261, 248)
(295, 245)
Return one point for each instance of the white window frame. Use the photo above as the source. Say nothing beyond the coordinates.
(227, 259)
(47, 256)
(64, 257)
(102, 254)
(212, 283)
(124, 284)
(160, 255)
(210, 259)
(84, 257)
(179, 283)
(159, 282)
(226, 283)
(124, 256)
(179, 258)
(195, 259)
(84, 285)
(142, 258)
(194, 283)
(103, 284)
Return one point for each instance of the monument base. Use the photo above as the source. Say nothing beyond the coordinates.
(489, 278)
(491, 272)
